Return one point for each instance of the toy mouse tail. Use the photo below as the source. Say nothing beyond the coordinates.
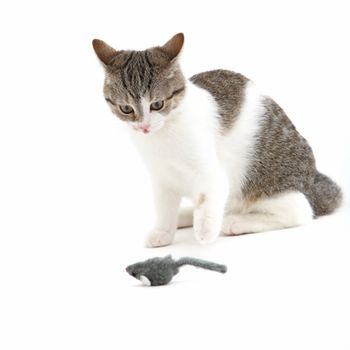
(202, 264)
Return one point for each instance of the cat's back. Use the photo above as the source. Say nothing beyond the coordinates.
(228, 90)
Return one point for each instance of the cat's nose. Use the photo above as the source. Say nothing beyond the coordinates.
(145, 128)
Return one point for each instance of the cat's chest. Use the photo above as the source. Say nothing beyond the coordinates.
(175, 159)
(168, 154)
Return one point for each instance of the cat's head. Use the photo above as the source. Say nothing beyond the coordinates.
(143, 87)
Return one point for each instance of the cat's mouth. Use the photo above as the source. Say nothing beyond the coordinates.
(142, 128)
(146, 128)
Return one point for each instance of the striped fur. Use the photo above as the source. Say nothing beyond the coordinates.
(217, 140)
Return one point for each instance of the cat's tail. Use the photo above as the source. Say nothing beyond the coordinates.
(202, 264)
(325, 196)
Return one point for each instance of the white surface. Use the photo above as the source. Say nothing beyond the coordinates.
(75, 201)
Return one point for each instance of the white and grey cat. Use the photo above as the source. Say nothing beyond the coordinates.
(214, 139)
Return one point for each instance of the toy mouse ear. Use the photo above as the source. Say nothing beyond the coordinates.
(145, 281)
(173, 47)
(103, 51)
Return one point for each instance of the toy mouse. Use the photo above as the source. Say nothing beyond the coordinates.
(160, 271)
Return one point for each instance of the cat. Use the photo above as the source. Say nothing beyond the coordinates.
(216, 140)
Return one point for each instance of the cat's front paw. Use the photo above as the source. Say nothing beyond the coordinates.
(206, 227)
(158, 238)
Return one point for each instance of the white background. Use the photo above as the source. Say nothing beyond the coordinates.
(75, 200)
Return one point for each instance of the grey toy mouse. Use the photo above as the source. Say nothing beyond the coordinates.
(160, 271)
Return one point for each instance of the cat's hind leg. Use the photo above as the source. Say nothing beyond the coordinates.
(284, 210)
(185, 217)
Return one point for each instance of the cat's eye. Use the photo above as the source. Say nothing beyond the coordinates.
(156, 106)
(126, 109)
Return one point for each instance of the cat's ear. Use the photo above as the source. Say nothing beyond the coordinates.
(173, 47)
(103, 51)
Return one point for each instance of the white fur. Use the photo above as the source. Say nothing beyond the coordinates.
(236, 148)
(281, 211)
(185, 217)
(188, 155)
